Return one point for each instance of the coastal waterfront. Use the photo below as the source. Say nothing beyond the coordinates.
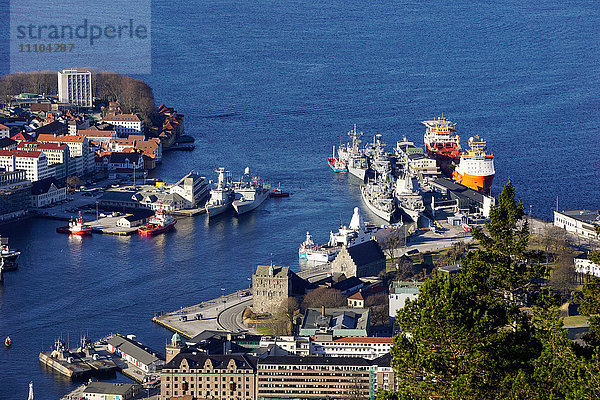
(272, 88)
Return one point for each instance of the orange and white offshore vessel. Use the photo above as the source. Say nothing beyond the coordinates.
(476, 167)
(442, 143)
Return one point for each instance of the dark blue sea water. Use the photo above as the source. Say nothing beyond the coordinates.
(273, 85)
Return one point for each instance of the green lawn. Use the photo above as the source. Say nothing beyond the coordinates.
(575, 320)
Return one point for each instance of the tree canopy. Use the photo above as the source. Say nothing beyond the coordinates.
(490, 331)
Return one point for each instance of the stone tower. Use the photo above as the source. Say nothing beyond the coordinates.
(174, 347)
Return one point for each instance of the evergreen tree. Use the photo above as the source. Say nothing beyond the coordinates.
(467, 336)
(513, 270)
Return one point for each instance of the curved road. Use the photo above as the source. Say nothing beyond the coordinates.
(230, 319)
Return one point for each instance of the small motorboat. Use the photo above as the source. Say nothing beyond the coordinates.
(277, 192)
(7, 341)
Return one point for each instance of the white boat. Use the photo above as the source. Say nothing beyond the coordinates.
(250, 193)
(356, 233)
(9, 256)
(408, 196)
(314, 253)
(221, 197)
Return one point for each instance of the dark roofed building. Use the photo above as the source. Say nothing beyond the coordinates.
(119, 200)
(8, 144)
(134, 352)
(218, 342)
(468, 199)
(137, 219)
(47, 191)
(365, 259)
(108, 390)
(224, 377)
(125, 160)
(385, 377)
(55, 128)
(349, 285)
(339, 322)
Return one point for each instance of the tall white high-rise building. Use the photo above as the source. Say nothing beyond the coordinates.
(75, 87)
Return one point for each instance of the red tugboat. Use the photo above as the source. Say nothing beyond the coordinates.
(76, 227)
(278, 193)
(158, 223)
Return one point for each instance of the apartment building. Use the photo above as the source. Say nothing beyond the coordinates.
(303, 378)
(580, 222)
(34, 163)
(79, 146)
(126, 124)
(365, 347)
(75, 87)
(223, 377)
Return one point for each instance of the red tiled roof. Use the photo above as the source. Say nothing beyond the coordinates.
(20, 153)
(356, 296)
(358, 339)
(122, 118)
(38, 145)
(21, 136)
(96, 133)
(63, 138)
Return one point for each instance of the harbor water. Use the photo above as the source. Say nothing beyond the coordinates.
(272, 86)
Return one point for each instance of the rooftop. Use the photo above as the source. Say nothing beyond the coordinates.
(269, 270)
(122, 118)
(51, 128)
(109, 388)
(349, 283)
(121, 157)
(42, 186)
(458, 189)
(336, 319)
(96, 133)
(60, 138)
(398, 287)
(313, 360)
(39, 145)
(588, 216)
(138, 351)
(197, 361)
(366, 253)
(383, 361)
(20, 153)
(7, 142)
(360, 339)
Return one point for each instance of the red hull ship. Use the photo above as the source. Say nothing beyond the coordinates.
(442, 143)
(76, 227)
(277, 192)
(158, 223)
